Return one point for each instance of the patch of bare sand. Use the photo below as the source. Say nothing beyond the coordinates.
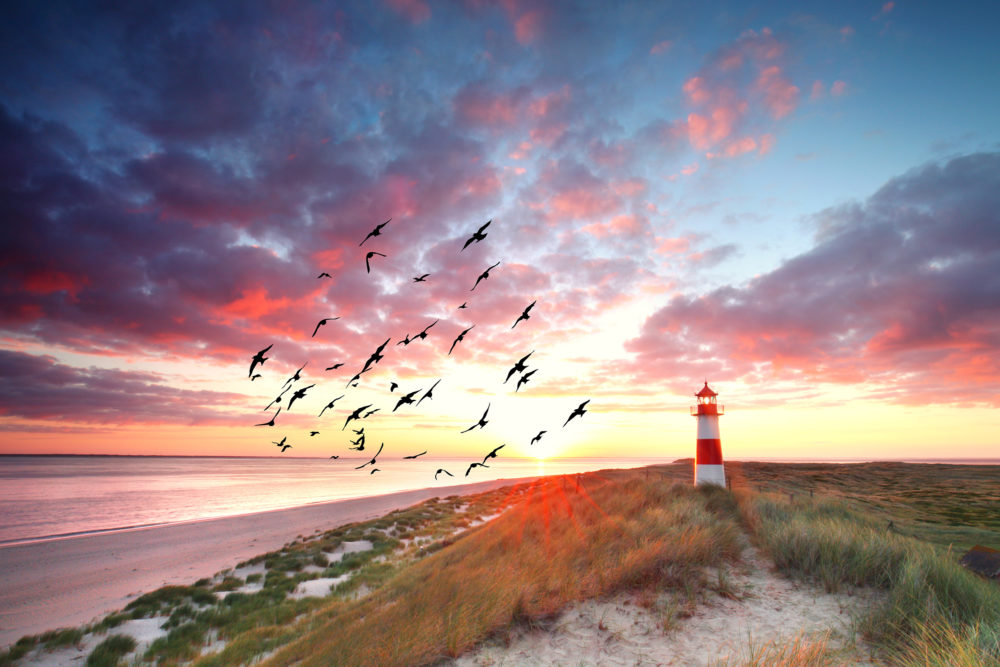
(619, 631)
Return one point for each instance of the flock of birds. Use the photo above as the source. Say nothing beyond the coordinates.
(364, 412)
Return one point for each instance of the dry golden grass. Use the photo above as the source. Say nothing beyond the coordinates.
(557, 543)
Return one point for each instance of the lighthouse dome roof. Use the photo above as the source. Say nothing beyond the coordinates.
(705, 391)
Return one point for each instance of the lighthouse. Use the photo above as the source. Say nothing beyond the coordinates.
(708, 464)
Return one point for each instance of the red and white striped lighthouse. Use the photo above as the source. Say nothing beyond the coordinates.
(708, 464)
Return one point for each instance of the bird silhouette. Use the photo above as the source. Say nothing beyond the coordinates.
(372, 253)
(334, 367)
(297, 376)
(484, 275)
(413, 456)
(324, 274)
(282, 443)
(375, 232)
(370, 413)
(524, 315)
(312, 433)
(300, 393)
(355, 415)
(482, 420)
(372, 462)
(359, 431)
(270, 423)
(464, 305)
(524, 379)
(284, 447)
(519, 367)
(357, 376)
(393, 386)
(323, 322)
(579, 412)
(442, 470)
(538, 437)
(478, 235)
(476, 464)
(376, 356)
(335, 456)
(277, 399)
(493, 454)
(359, 444)
(421, 279)
(259, 358)
(460, 338)
(254, 376)
(406, 340)
(330, 405)
(428, 393)
(423, 333)
(406, 400)
(373, 471)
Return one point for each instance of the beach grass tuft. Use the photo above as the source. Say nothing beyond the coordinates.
(110, 651)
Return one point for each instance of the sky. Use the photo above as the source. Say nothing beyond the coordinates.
(797, 202)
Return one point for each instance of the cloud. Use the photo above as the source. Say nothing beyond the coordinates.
(416, 11)
(898, 296)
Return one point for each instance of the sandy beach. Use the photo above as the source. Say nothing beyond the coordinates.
(67, 582)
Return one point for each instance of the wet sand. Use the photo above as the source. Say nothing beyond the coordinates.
(71, 581)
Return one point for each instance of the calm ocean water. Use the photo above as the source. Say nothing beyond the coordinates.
(46, 496)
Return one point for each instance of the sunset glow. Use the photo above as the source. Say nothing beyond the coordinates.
(798, 204)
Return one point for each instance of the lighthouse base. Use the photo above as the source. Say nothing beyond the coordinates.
(707, 473)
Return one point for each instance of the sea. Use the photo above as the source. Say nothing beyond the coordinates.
(58, 497)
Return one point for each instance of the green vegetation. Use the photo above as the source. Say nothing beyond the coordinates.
(110, 652)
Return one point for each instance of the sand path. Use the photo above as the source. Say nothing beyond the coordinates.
(68, 582)
(620, 631)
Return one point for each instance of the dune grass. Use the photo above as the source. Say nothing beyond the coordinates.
(555, 545)
(110, 651)
(931, 606)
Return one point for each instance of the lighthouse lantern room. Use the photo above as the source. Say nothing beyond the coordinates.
(708, 463)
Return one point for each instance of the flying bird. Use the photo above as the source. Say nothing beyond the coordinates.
(270, 423)
(355, 415)
(579, 412)
(277, 399)
(493, 454)
(323, 275)
(297, 376)
(423, 334)
(323, 322)
(519, 367)
(392, 387)
(371, 254)
(484, 275)
(359, 444)
(421, 279)
(370, 413)
(254, 376)
(375, 232)
(428, 393)
(482, 420)
(413, 456)
(524, 378)
(460, 338)
(259, 358)
(406, 340)
(406, 400)
(282, 443)
(357, 376)
(335, 456)
(478, 235)
(359, 431)
(300, 393)
(524, 315)
(442, 470)
(330, 405)
(284, 447)
(372, 462)
(312, 433)
(376, 356)
(465, 304)
(373, 471)
(334, 367)
(538, 437)
(477, 464)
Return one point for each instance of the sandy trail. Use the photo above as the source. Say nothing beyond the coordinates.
(67, 582)
(619, 631)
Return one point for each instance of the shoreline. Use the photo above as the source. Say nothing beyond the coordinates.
(63, 582)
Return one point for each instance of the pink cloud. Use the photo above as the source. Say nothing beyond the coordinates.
(766, 144)
(696, 90)
(660, 47)
(780, 96)
(416, 11)
(818, 90)
(528, 27)
(541, 107)
(677, 245)
(846, 32)
(838, 88)
(620, 225)
(689, 169)
(886, 8)
(629, 187)
(482, 107)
